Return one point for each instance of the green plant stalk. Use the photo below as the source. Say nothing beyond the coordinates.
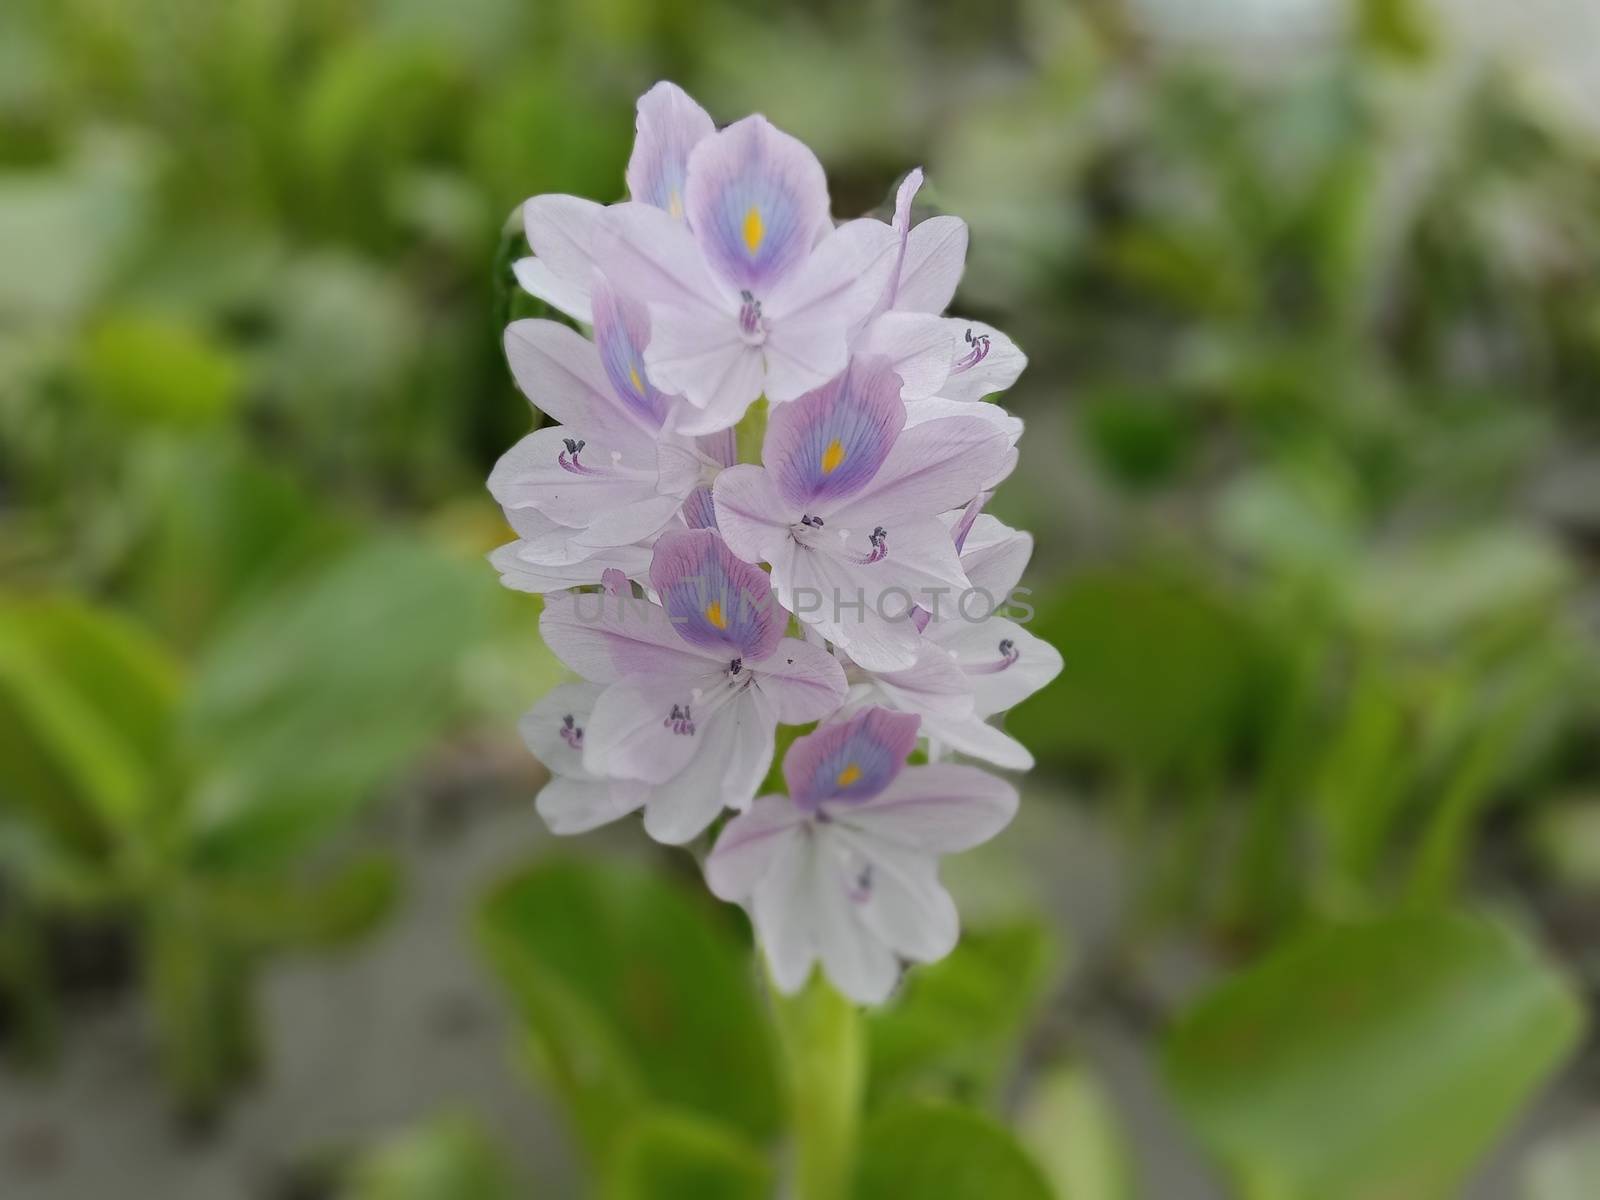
(821, 1037)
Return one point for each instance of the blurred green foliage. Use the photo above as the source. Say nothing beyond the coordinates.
(1314, 329)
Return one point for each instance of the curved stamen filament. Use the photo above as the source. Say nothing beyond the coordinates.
(1008, 657)
(569, 461)
(879, 538)
(977, 351)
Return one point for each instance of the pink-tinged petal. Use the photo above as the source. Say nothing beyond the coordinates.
(751, 515)
(802, 682)
(857, 963)
(903, 198)
(705, 359)
(657, 261)
(699, 510)
(977, 739)
(536, 278)
(524, 576)
(749, 845)
(572, 806)
(669, 126)
(933, 686)
(757, 200)
(553, 729)
(782, 907)
(629, 524)
(570, 480)
(851, 761)
(840, 600)
(932, 468)
(987, 362)
(562, 231)
(812, 315)
(561, 374)
(904, 555)
(935, 256)
(919, 349)
(829, 443)
(621, 333)
(716, 600)
(607, 638)
(994, 556)
(639, 731)
(1003, 662)
(939, 809)
(897, 896)
(724, 773)
(721, 447)
(920, 412)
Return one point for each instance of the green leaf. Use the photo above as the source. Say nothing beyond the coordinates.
(675, 1156)
(324, 910)
(1371, 1060)
(1119, 630)
(921, 1149)
(955, 1025)
(320, 691)
(86, 706)
(154, 370)
(1069, 1126)
(448, 1159)
(634, 995)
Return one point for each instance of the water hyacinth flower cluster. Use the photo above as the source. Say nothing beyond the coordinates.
(848, 581)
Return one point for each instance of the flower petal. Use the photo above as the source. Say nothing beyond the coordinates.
(987, 362)
(549, 470)
(621, 333)
(933, 685)
(562, 231)
(782, 908)
(849, 761)
(716, 600)
(725, 772)
(749, 845)
(562, 375)
(830, 442)
(553, 729)
(919, 348)
(897, 897)
(521, 575)
(856, 606)
(1003, 662)
(702, 356)
(932, 468)
(994, 555)
(636, 732)
(939, 809)
(751, 515)
(571, 805)
(976, 738)
(920, 412)
(802, 682)
(757, 200)
(607, 638)
(655, 259)
(856, 961)
(935, 255)
(669, 126)
(816, 310)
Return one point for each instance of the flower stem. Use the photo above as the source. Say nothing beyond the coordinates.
(821, 1036)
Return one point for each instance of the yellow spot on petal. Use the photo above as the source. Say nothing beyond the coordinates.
(633, 378)
(832, 457)
(714, 614)
(754, 230)
(675, 203)
(848, 776)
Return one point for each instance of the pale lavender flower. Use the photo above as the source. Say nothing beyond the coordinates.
(844, 869)
(754, 292)
(695, 685)
(845, 509)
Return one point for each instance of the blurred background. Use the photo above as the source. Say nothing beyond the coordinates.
(1303, 903)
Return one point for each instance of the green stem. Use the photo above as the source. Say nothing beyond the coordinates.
(821, 1036)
